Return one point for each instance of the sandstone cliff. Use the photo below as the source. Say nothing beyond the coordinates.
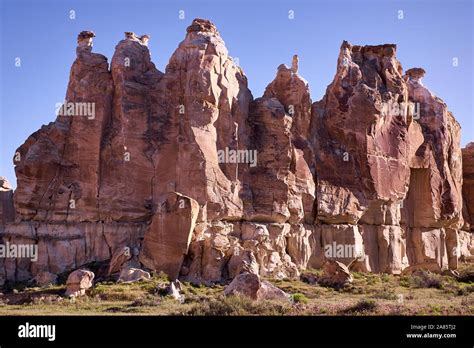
(204, 182)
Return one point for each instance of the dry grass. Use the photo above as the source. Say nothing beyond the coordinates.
(369, 294)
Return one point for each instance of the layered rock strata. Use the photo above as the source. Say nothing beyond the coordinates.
(203, 182)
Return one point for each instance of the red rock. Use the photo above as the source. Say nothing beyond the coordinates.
(250, 285)
(167, 240)
(468, 185)
(7, 211)
(267, 184)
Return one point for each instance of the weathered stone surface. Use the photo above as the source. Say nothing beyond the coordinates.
(361, 150)
(427, 245)
(342, 243)
(282, 183)
(168, 238)
(119, 257)
(58, 167)
(131, 275)
(203, 109)
(440, 154)
(384, 249)
(335, 274)
(267, 185)
(300, 246)
(78, 282)
(217, 254)
(65, 247)
(7, 211)
(250, 285)
(468, 185)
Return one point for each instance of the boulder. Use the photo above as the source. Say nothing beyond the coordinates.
(250, 285)
(335, 274)
(78, 282)
(173, 289)
(131, 275)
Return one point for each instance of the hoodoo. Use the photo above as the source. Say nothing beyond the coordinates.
(147, 172)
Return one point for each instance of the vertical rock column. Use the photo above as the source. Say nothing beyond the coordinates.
(432, 212)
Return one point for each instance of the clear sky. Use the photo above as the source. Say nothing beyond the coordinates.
(260, 33)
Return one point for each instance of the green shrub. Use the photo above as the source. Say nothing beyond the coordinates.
(363, 306)
(299, 298)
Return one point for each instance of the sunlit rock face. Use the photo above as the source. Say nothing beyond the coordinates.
(198, 179)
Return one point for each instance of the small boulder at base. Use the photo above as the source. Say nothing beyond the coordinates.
(130, 275)
(78, 282)
(250, 285)
(172, 289)
(335, 274)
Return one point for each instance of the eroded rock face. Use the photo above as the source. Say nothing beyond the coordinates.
(58, 167)
(167, 240)
(468, 185)
(7, 211)
(195, 178)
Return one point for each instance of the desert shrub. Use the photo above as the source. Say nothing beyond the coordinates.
(299, 298)
(147, 301)
(467, 302)
(385, 294)
(426, 279)
(371, 280)
(363, 306)
(466, 274)
(465, 290)
(237, 305)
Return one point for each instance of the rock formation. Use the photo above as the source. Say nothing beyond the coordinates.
(466, 237)
(250, 285)
(78, 282)
(194, 177)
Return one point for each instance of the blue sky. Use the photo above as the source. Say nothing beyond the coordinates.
(259, 33)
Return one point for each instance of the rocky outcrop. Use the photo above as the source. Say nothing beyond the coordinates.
(167, 240)
(468, 186)
(251, 286)
(7, 211)
(184, 172)
(335, 274)
(78, 282)
(131, 275)
(465, 237)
